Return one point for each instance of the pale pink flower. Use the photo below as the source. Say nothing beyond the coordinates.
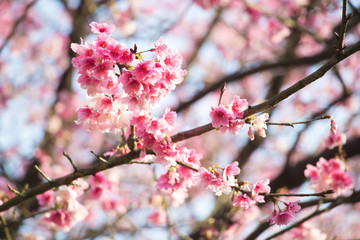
(260, 187)
(214, 182)
(243, 200)
(230, 172)
(161, 49)
(102, 28)
(219, 116)
(259, 124)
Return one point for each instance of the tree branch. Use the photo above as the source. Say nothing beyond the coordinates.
(272, 102)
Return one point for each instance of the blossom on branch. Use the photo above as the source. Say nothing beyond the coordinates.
(329, 174)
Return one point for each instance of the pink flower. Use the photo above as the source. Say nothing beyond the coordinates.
(233, 126)
(161, 49)
(61, 218)
(98, 178)
(293, 207)
(281, 217)
(219, 116)
(260, 187)
(243, 200)
(230, 172)
(214, 182)
(45, 198)
(169, 180)
(102, 28)
(329, 175)
(96, 192)
(312, 172)
(334, 140)
(238, 106)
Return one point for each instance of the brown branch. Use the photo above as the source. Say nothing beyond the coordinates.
(272, 102)
(68, 179)
(241, 74)
(236, 76)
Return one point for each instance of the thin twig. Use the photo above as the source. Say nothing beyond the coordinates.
(178, 162)
(222, 90)
(15, 191)
(344, 22)
(71, 161)
(43, 174)
(5, 227)
(101, 158)
(301, 122)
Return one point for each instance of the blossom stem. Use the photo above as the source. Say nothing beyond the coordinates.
(301, 122)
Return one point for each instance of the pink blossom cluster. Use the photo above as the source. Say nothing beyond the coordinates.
(330, 174)
(152, 80)
(244, 196)
(102, 190)
(67, 210)
(117, 84)
(284, 217)
(251, 195)
(227, 118)
(258, 123)
(180, 178)
(219, 183)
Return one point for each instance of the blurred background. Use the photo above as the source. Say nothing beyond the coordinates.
(257, 47)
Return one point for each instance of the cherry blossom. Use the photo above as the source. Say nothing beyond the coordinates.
(329, 174)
